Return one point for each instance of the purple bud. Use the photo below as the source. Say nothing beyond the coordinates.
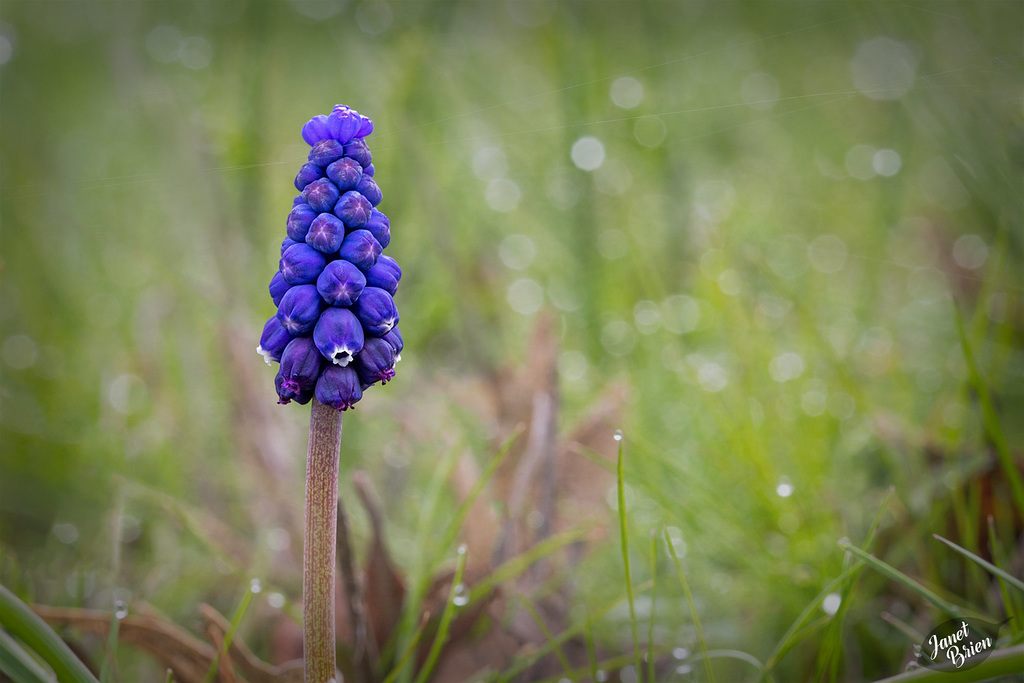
(376, 362)
(299, 199)
(315, 130)
(345, 173)
(326, 233)
(307, 174)
(299, 309)
(369, 170)
(394, 337)
(380, 227)
(338, 387)
(322, 195)
(365, 127)
(341, 283)
(358, 150)
(278, 286)
(299, 220)
(384, 274)
(285, 243)
(301, 264)
(353, 209)
(338, 335)
(360, 249)
(326, 152)
(343, 124)
(376, 310)
(300, 366)
(368, 188)
(273, 340)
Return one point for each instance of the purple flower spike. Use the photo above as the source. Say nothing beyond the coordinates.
(345, 173)
(376, 362)
(336, 328)
(302, 264)
(300, 366)
(369, 189)
(326, 233)
(338, 387)
(273, 340)
(338, 335)
(307, 174)
(341, 283)
(278, 286)
(322, 195)
(394, 337)
(384, 274)
(326, 152)
(358, 150)
(343, 124)
(299, 220)
(353, 209)
(315, 130)
(376, 310)
(300, 309)
(380, 227)
(365, 127)
(360, 249)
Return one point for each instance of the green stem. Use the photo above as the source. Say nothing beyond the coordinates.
(319, 554)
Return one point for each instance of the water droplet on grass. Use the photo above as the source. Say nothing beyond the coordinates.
(120, 610)
(618, 435)
(255, 586)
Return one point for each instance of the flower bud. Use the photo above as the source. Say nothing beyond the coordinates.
(300, 366)
(322, 195)
(301, 264)
(338, 387)
(285, 243)
(380, 227)
(353, 209)
(338, 335)
(369, 170)
(345, 173)
(278, 286)
(326, 233)
(326, 152)
(299, 199)
(299, 220)
(341, 283)
(376, 362)
(358, 150)
(366, 127)
(360, 249)
(394, 337)
(343, 124)
(376, 310)
(300, 309)
(384, 274)
(315, 130)
(273, 340)
(368, 188)
(307, 174)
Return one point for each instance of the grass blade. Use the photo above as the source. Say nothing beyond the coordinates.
(898, 576)
(446, 619)
(650, 622)
(548, 636)
(19, 665)
(1010, 601)
(1010, 579)
(236, 620)
(990, 416)
(624, 539)
(407, 655)
(21, 622)
(1006, 662)
(693, 609)
(110, 658)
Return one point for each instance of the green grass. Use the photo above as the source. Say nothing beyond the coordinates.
(783, 328)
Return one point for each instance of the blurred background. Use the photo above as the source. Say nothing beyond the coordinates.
(742, 233)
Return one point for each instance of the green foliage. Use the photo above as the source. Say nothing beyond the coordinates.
(750, 260)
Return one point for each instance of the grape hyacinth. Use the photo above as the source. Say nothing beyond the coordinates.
(335, 332)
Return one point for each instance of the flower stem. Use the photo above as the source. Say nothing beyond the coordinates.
(319, 555)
